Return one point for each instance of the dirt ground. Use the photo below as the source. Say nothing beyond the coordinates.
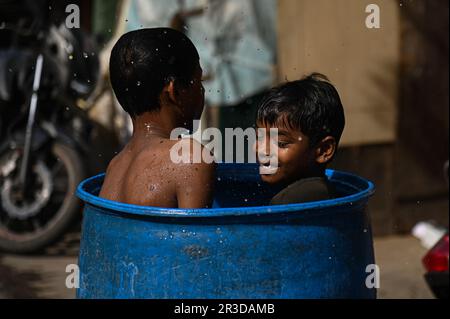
(44, 276)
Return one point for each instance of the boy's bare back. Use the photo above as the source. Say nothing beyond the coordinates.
(143, 174)
(157, 79)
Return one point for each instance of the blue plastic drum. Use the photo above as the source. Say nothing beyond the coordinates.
(241, 248)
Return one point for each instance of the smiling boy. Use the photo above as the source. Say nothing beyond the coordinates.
(309, 117)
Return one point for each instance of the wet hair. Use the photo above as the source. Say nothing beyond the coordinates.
(143, 61)
(310, 105)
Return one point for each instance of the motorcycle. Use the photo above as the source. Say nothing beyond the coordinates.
(47, 78)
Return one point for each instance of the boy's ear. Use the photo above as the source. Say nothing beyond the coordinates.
(170, 92)
(325, 150)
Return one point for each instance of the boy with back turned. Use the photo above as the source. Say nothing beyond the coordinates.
(156, 77)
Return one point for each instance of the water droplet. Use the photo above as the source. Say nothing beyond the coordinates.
(71, 57)
(138, 83)
(85, 55)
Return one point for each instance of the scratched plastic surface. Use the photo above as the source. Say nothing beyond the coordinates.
(238, 249)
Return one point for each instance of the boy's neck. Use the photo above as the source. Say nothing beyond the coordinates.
(317, 172)
(159, 123)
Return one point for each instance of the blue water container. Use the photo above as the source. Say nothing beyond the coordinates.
(240, 248)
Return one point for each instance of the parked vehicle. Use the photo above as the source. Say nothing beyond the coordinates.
(47, 72)
(436, 263)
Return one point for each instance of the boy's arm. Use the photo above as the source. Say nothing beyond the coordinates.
(195, 185)
(196, 191)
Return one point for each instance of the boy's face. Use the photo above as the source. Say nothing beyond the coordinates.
(296, 159)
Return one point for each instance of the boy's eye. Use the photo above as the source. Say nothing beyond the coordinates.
(282, 144)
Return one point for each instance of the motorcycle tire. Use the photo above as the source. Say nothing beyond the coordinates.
(66, 215)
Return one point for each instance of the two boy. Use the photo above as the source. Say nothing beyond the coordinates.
(156, 76)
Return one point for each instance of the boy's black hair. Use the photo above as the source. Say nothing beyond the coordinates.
(143, 61)
(311, 105)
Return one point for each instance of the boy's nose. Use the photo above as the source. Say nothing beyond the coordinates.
(264, 147)
(265, 154)
(264, 159)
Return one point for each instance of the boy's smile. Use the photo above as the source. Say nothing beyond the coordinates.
(295, 158)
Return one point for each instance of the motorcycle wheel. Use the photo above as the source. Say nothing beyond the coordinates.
(36, 224)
